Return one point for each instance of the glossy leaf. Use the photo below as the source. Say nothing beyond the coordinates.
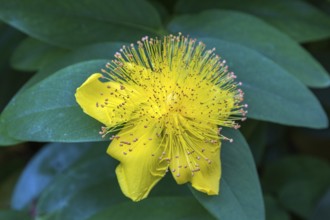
(270, 91)
(255, 34)
(70, 23)
(156, 208)
(48, 110)
(299, 19)
(53, 159)
(240, 193)
(92, 171)
(89, 201)
(95, 51)
(32, 54)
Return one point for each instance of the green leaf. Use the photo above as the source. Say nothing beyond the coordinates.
(295, 168)
(270, 91)
(255, 133)
(53, 159)
(299, 19)
(322, 211)
(70, 23)
(240, 193)
(253, 33)
(10, 81)
(31, 54)
(5, 139)
(90, 52)
(274, 211)
(156, 208)
(96, 51)
(92, 199)
(301, 196)
(88, 173)
(14, 215)
(48, 110)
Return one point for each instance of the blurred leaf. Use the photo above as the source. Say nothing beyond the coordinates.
(70, 23)
(87, 173)
(7, 185)
(253, 33)
(168, 187)
(273, 209)
(53, 159)
(294, 168)
(33, 54)
(276, 96)
(156, 208)
(311, 142)
(299, 19)
(240, 194)
(14, 215)
(322, 211)
(88, 201)
(301, 196)
(48, 111)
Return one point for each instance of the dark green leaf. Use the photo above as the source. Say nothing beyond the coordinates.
(322, 211)
(10, 81)
(71, 23)
(5, 139)
(90, 52)
(255, 133)
(254, 33)
(274, 211)
(96, 51)
(271, 93)
(301, 196)
(299, 19)
(48, 111)
(86, 202)
(14, 215)
(240, 194)
(53, 159)
(156, 208)
(33, 54)
(87, 173)
(294, 168)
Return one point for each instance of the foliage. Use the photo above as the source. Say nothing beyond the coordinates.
(279, 50)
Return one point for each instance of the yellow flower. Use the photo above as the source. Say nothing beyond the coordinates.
(168, 99)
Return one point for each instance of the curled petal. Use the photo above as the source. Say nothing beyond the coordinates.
(142, 160)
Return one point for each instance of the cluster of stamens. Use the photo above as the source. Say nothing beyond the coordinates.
(180, 92)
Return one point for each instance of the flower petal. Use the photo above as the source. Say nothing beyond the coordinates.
(103, 100)
(142, 160)
(198, 162)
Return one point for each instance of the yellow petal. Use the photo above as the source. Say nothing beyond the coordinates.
(197, 162)
(142, 161)
(103, 100)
